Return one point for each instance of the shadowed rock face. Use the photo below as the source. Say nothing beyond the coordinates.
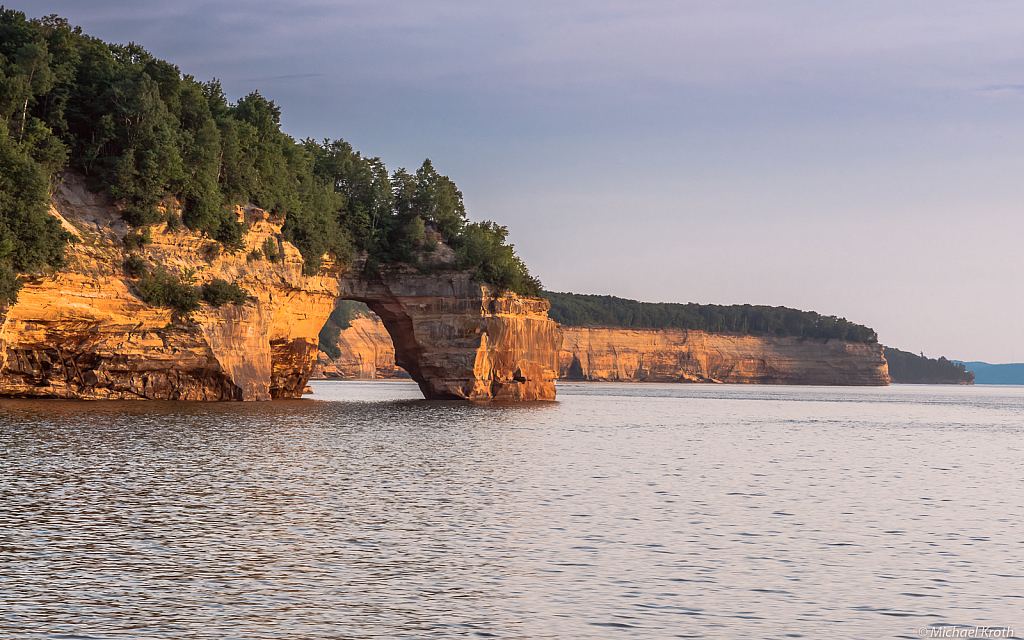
(367, 353)
(83, 332)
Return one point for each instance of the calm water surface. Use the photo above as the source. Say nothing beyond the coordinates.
(621, 511)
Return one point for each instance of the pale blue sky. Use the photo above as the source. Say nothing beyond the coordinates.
(861, 159)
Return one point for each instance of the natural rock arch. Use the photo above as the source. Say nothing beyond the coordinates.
(456, 338)
(459, 339)
(83, 332)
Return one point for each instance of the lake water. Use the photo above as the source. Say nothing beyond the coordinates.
(620, 511)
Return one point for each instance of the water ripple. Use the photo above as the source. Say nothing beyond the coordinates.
(641, 511)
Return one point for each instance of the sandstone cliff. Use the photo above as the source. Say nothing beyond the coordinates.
(675, 355)
(83, 332)
(461, 339)
(664, 355)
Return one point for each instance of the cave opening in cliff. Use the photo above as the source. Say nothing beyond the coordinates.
(355, 344)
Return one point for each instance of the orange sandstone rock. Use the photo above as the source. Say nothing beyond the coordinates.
(661, 355)
(676, 355)
(461, 339)
(83, 332)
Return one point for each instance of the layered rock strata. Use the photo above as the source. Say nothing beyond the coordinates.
(675, 355)
(661, 355)
(83, 332)
(461, 339)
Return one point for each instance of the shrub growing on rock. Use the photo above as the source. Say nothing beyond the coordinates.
(9, 286)
(218, 292)
(136, 239)
(134, 266)
(162, 289)
(270, 250)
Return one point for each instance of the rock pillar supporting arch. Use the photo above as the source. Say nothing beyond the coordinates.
(459, 339)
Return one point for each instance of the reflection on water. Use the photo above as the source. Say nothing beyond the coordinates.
(641, 511)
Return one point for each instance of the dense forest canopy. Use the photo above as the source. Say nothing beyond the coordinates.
(910, 368)
(135, 126)
(573, 309)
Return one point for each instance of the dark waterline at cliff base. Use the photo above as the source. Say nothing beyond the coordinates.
(638, 511)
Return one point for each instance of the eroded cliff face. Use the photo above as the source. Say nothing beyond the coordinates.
(83, 332)
(660, 355)
(675, 355)
(460, 339)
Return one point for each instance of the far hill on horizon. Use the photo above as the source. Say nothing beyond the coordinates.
(985, 373)
(910, 368)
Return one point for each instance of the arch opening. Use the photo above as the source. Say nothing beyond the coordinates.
(455, 337)
(354, 344)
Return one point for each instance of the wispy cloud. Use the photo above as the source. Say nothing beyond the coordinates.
(1002, 90)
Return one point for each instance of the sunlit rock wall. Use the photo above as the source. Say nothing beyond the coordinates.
(83, 332)
(675, 355)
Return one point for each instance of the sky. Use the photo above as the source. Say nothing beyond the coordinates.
(861, 159)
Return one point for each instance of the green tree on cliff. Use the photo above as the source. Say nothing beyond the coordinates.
(573, 309)
(134, 126)
(30, 239)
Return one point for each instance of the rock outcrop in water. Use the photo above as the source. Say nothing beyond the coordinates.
(666, 355)
(460, 339)
(83, 332)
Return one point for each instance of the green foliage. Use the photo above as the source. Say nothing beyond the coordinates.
(230, 233)
(581, 310)
(270, 250)
(9, 286)
(136, 239)
(363, 184)
(313, 227)
(173, 221)
(146, 156)
(162, 289)
(909, 368)
(481, 246)
(30, 238)
(438, 201)
(341, 318)
(328, 340)
(135, 126)
(218, 292)
(134, 265)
